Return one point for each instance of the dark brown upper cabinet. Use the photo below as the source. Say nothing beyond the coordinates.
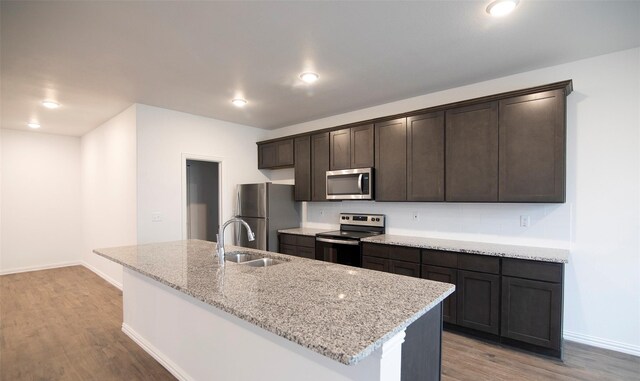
(362, 146)
(391, 161)
(278, 154)
(351, 147)
(302, 168)
(508, 147)
(532, 148)
(319, 166)
(472, 153)
(410, 158)
(425, 157)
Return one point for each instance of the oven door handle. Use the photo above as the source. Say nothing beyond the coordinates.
(338, 241)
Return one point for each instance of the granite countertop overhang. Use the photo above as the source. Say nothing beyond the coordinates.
(533, 253)
(341, 312)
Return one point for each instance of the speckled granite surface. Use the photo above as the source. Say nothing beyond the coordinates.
(493, 249)
(341, 312)
(304, 231)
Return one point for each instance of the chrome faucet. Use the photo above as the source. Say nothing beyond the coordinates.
(220, 237)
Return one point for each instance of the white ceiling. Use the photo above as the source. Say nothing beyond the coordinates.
(97, 58)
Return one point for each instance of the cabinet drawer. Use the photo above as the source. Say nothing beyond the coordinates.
(288, 239)
(522, 268)
(375, 250)
(306, 252)
(408, 254)
(306, 241)
(440, 258)
(481, 263)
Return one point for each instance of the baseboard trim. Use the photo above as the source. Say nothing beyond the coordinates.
(602, 343)
(169, 365)
(102, 275)
(38, 268)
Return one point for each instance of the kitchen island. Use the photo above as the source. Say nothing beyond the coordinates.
(298, 319)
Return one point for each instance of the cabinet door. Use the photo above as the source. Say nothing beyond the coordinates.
(340, 149)
(267, 155)
(478, 301)
(425, 157)
(319, 166)
(276, 154)
(302, 169)
(405, 268)
(362, 146)
(532, 148)
(373, 263)
(391, 161)
(472, 153)
(532, 311)
(446, 275)
(284, 153)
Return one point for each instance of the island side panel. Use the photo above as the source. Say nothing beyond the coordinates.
(422, 349)
(196, 341)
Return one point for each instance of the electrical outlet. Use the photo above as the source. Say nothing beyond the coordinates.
(525, 221)
(416, 216)
(156, 217)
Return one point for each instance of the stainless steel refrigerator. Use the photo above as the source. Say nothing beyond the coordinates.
(267, 208)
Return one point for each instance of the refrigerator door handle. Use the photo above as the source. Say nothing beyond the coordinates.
(238, 202)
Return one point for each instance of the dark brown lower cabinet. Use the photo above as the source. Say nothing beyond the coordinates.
(405, 268)
(298, 245)
(446, 275)
(375, 263)
(532, 312)
(478, 301)
(392, 259)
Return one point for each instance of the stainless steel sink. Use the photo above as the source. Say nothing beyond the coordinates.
(241, 257)
(262, 262)
(250, 259)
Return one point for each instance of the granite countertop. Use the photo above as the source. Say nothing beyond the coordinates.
(342, 312)
(304, 231)
(472, 247)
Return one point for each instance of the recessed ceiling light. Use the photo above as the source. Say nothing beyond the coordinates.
(239, 102)
(33, 125)
(309, 77)
(501, 8)
(50, 104)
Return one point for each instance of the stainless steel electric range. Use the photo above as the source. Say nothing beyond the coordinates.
(343, 246)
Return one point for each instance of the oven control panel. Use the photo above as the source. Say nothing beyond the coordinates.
(376, 220)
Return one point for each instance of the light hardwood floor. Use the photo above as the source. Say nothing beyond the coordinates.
(64, 324)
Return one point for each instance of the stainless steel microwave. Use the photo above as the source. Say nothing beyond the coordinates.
(350, 184)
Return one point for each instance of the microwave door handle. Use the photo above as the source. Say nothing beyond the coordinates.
(360, 183)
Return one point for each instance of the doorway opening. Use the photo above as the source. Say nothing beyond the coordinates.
(203, 199)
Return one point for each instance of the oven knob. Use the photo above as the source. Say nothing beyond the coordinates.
(347, 217)
(377, 219)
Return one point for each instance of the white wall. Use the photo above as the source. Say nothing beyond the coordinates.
(40, 210)
(109, 191)
(165, 138)
(599, 221)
